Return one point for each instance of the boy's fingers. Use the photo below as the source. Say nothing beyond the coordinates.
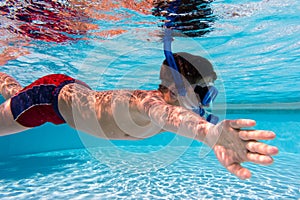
(256, 135)
(239, 171)
(242, 123)
(259, 159)
(261, 148)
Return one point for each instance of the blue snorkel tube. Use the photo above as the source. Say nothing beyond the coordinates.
(171, 62)
(167, 40)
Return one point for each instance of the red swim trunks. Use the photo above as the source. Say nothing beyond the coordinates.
(37, 103)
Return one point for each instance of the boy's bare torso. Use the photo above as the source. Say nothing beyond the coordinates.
(114, 114)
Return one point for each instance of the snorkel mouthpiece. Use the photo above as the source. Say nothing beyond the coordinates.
(212, 119)
(207, 115)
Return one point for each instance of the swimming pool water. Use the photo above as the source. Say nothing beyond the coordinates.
(254, 46)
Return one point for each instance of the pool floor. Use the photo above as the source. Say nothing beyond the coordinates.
(80, 174)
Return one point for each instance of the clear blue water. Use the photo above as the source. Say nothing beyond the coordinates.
(255, 48)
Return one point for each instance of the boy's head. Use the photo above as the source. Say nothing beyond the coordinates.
(193, 68)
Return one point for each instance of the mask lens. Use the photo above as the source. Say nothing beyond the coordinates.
(206, 94)
(201, 91)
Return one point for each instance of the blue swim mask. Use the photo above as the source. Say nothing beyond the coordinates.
(207, 93)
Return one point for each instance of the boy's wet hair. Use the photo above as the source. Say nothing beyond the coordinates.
(192, 67)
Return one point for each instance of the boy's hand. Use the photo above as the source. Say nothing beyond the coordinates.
(233, 145)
